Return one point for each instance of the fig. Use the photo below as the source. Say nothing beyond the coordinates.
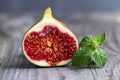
(49, 42)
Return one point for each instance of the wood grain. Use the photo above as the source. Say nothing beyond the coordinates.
(14, 66)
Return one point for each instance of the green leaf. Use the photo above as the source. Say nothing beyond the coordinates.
(81, 59)
(88, 40)
(99, 57)
(89, 49)
(95, 41)
(100, 39)
(89, 54)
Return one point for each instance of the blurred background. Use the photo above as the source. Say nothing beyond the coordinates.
(65, 6)
(21, 14)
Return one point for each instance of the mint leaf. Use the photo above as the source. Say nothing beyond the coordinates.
(89, 54)
(88, 40)
(81, 59)
(100, 39)
(99, 57)
(89, 49)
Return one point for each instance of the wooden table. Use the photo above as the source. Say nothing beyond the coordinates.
(14, 66)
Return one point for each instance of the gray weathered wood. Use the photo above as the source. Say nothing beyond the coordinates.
(14, 66)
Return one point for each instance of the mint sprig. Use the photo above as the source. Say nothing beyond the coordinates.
(90, 52)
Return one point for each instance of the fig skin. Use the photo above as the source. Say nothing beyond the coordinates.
(48, 19)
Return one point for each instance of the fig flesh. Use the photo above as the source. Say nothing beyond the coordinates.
(49, 42)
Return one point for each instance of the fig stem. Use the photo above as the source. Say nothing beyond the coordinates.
(47, 13)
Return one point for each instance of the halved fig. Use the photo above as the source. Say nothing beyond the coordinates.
(49, 42)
